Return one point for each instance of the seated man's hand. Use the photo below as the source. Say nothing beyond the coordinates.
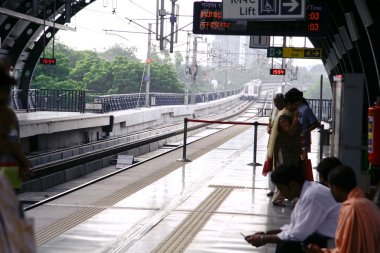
(255, 239)
(312, 248)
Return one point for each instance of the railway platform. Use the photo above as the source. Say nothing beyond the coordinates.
(43, 131)
(164, 205)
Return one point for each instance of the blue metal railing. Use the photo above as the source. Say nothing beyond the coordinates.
(76, 100)
(109, 103)
(326, 108)
(51, 100)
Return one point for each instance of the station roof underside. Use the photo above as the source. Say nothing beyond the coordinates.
(23, 38)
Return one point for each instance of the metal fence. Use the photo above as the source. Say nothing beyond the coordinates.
(51, 100)
(326, 108)
(314, 106)
(109, 103)
(76, 101)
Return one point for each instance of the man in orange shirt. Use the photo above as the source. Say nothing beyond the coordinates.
(358, 228)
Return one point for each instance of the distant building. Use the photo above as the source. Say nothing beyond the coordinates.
(231, 51)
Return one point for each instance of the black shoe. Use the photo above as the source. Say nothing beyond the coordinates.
(270, 194)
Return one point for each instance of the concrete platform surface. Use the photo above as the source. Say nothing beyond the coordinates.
(201, 206)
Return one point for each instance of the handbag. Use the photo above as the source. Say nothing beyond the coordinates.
(268, 166)
(308, 170)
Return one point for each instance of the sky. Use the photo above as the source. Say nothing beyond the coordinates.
(92, 21)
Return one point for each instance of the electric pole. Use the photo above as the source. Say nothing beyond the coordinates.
(148, 62)
(162, 23)
(173, 20)
(283, 66)
(187, 68)
(194, 70)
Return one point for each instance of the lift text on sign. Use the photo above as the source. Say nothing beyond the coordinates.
(264, 9)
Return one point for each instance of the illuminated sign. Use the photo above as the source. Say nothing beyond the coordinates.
(208, 19)
(48, 61)
(263, 9)
(277, 72)
(294, 52)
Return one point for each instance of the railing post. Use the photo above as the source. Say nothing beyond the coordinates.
(255, 163)
(184, 148)
(321, 140)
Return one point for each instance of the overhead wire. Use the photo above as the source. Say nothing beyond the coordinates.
(131, 1)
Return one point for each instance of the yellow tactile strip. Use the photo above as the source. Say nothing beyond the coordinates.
(207, 144)
(186, 231)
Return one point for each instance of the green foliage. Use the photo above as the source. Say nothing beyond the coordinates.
(116, 70)
(118, 50)
(313, 92)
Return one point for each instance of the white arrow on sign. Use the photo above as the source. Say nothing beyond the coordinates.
(293, 5)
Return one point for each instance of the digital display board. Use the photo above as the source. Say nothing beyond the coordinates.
(277, 72)
(48, 61)
(208, 19)
(315, 24)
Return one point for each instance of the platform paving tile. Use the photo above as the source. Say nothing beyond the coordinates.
(140, 222)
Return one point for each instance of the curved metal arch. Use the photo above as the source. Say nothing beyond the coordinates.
(9, 23)
(352, 62)
(29, 47)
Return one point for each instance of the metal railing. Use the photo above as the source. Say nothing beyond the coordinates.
(59, 100)
(109, 103)
(326, 108)
(51, 100)
(314, 106)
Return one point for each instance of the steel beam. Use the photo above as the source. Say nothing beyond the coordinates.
(34, 19)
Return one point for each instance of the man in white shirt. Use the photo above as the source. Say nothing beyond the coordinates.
(313, 220)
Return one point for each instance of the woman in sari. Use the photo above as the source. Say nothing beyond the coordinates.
(284, 142)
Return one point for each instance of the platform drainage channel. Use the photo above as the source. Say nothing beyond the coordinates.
(186, 231)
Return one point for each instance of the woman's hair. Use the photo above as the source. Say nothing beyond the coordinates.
(279, 97)
(293, 95)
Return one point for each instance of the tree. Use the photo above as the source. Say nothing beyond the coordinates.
(116, 70)
(118, 50)
(313, 92)
(127, 75)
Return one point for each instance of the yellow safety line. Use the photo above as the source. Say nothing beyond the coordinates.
(186, 231)
(82, 215)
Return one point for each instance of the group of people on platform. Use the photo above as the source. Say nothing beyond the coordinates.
(332, 215)
(289, 127)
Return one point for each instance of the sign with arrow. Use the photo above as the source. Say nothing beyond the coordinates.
(294, 52)
(275, 52)
(290, 6)
(264, 9)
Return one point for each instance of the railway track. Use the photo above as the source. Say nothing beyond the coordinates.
(43, 159)
(62, 165)
(56, 172)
